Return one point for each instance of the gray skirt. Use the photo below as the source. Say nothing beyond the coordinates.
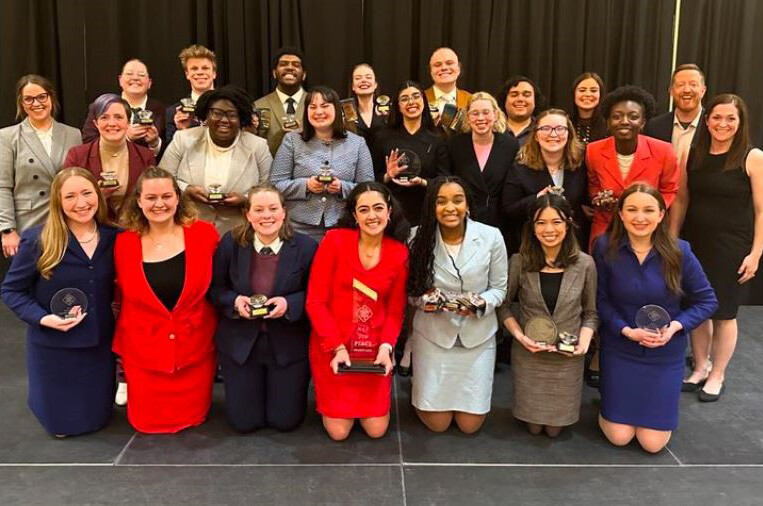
(455, 379)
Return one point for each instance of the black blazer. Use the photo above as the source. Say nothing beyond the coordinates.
(661, 127)
(485, 187)
(520, 190)
(289, 334)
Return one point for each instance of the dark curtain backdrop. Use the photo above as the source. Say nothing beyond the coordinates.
(81, 44)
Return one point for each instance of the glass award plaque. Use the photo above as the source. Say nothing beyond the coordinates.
(433, 301)
(411, 162)
(349, 111)
(325, 175)
(187, 105)
(541, 330)
(215, 193)
(382, 104)
(109, 179)
(567, 342)
(257, 307)
(458, 121)
(145, 117)
(264, 118)
(652, 317)
(471, 302)
(364, 340)
(605, 200)
(64, 301)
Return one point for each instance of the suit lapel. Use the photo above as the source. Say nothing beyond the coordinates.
(197, 158)
(239, 161)
(568, 279)
(470, 246)
(441, 256)
(31, 139)
(277, 108)
(94, 158)
(610, 163)
(286, 259)
(640, 161)
(57, 149)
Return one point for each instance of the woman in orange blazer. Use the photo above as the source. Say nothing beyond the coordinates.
(165, 328)
(627, 157)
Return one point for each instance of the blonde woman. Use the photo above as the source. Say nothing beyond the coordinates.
(69, 359)
(482, 157)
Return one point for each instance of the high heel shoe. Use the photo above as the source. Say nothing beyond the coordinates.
(707, 397)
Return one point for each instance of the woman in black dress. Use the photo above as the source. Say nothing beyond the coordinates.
(724, 224)
(364, 88)
(587, 89)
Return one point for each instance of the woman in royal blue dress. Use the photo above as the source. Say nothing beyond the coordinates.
(639, 263)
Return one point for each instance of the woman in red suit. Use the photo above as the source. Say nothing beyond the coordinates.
(355, 300)
(165, 329)
(627, 157)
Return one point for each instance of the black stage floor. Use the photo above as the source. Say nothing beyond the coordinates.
(715, 458)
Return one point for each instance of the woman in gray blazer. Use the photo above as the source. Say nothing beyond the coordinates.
(555, 284)
(324, 149)
(31, 154)
(457, 278)
(216, 164)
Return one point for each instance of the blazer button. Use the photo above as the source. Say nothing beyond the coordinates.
(323, 199)
(42, 194)
(35, 177)
(31, 160)
(172, 336)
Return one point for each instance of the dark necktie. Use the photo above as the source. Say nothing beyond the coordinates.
(266, 251)
(290, 106)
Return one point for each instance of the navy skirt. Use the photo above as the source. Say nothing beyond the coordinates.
(71, 390)
(640, 390)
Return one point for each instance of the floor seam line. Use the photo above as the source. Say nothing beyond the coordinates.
(399, 441)
(121, 454)
(674, 456)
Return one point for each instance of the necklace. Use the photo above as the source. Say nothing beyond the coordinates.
(95, 232)
(157, 244)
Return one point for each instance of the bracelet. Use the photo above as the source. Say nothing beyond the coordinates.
(340, 348)
(387, 346)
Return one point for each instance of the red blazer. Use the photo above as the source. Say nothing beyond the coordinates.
(654, 164)
(149, 335)
(88, 157)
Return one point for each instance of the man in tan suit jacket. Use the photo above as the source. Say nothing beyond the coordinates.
(445, 69)
(287, 102)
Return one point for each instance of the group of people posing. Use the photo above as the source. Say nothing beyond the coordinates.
(301, 236)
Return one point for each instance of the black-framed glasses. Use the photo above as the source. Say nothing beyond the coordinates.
(218, 114)
(41, 98)
(558, 130)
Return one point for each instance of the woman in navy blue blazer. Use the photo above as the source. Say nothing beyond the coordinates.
(69, 359)
(264, 359)
(639, 264)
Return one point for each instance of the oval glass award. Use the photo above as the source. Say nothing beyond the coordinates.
(541, 330)
(652, 317)
(64, 301)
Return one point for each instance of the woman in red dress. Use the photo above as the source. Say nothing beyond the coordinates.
(165, 329)
(355, 300)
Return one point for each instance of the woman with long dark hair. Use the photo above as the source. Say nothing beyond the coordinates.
(364, 88)
(640, 264)
(724, 225)
(355, 300)
(552, 280)
(587, 90)
(457, 279)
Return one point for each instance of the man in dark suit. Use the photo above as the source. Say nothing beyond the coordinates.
(680, 126)
(200, 68)
(287, 103)
(135, 83)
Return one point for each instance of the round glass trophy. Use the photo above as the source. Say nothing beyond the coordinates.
(145, 117)
(652, 317)
(382, 104)
(541, 330)
(567, 342)
(257, 307)
(410, 160)
(64, 301)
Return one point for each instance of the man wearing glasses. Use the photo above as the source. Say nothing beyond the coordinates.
(135, 83)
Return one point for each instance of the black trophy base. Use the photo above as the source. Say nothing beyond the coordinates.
(188, 110)
(259, 312)
(109, 183)
(362, 366)
(290, 125)
(404, 178)
(146, 122)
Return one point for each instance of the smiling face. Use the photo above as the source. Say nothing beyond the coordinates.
(410, 102)
(321, 113)
(158, 200)
(723, 122)
(201, 73)
(79, 200)
(641, 214)
(289, 71)
(687, 90)
(363, 81)
(520, 101)
(444, 67)
(134, 78)
(626, 119)
(223, 122)
(372, 213)
(451, 206)
(552, 133)
(587, 94)
(266, 215)
(113, 123)
(481, 116)
(36, 102)
(550, 228)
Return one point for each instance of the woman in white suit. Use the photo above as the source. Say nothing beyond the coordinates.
(219, 157)
(31, 154)
(453, 344)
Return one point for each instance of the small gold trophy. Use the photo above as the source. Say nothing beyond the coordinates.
(215, 193)
(257, 307)
(109, 179)
(382, 104)
(325, 176)
(187, 105)
(145, 117)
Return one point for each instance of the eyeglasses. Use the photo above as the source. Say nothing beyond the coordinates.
(476, 114)
(41, 99)
(407, 98)
(141, 75)
(218, 114)
(558, 130)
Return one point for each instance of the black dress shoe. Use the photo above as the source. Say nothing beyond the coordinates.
(706, 397)
(688, 386)
(403, 371)
(592, 378)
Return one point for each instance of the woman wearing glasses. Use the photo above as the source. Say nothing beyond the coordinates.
(218, 163)
(31, 153)
(552, 159)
